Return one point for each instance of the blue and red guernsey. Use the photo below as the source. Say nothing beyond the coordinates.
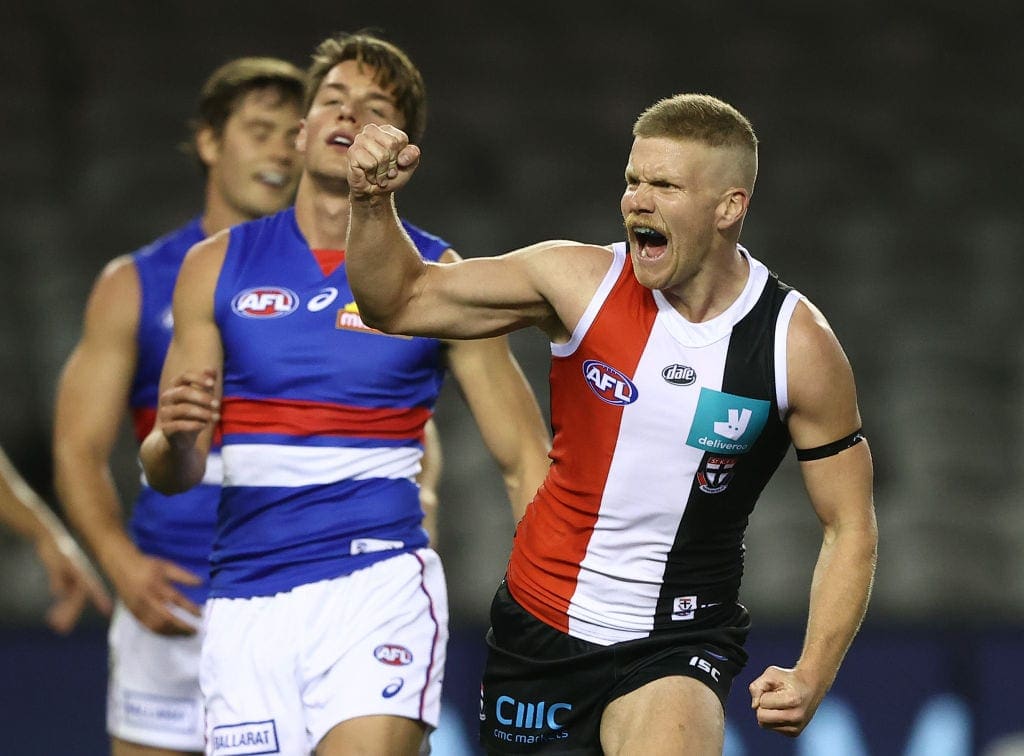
(179, 528)
(322, 418)
(665, 433)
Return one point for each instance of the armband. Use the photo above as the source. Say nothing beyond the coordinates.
(828, 450)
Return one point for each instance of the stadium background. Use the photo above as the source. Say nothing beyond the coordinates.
(890, 194)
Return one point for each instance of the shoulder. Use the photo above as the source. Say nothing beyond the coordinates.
(562, 262)
(115, 297)
(810, 331)
(205, 258)
(119, 278)
(573, 253)
(818, 368)
(173, 244)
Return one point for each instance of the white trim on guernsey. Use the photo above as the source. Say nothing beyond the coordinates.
(293, 466)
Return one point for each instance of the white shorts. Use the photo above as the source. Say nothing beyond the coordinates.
(153, 695)
(278, 672)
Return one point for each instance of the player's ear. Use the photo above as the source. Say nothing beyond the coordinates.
(732, 207)
(300, 138)
(207, 146)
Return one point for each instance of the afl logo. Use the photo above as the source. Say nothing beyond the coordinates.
(265, 302)
(396, 656)
(610, 385)
(679, 375)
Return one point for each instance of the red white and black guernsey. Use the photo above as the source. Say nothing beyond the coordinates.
(665, 434)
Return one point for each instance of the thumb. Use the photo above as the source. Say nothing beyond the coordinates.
(409, 156)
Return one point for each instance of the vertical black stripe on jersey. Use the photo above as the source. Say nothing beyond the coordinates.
(706, 559)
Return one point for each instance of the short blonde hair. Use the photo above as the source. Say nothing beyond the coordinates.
(702, 118)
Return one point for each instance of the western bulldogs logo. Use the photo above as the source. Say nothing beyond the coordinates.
(396, 656)
(610, 385)
(715, 473)
(265, 302)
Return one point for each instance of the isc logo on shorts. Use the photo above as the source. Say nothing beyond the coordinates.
(265, 302)
(396, 656)
(610, 385)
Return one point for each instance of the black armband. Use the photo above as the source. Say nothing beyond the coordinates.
(828, 450)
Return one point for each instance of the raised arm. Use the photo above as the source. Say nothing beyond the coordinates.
(837, 472)
(174, 453)
(398, 292)
(73, 582)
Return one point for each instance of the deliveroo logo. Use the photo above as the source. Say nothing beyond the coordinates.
(727, 423)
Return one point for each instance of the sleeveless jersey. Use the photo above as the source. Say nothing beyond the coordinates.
(322, 418)
(178, 528)
(665, 433)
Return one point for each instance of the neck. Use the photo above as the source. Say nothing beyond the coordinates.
(218, 214)
(321, 210)
(713, 289)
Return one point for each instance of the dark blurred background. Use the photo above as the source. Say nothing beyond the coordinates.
(889, 193)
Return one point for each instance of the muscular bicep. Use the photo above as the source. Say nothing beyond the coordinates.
(823, 411)
(93, 390)
(195, 342)
(546, 285)
(822, 392)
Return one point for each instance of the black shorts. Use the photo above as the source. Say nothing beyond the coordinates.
(544, 692)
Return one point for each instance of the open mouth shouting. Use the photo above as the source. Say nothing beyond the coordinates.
(650, 244)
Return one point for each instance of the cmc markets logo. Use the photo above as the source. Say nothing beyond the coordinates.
(265, 302)
(396, 656)
(530, 715)
(610, 385)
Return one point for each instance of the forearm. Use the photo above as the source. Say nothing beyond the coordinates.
(90, 499)
(381, 260)
(171, 469)
(839, 597)
(20, 507)
(523, 482)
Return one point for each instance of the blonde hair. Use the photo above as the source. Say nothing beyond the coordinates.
(702, 118)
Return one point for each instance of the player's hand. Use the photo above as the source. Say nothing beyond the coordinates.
(188, 407)
(380, 160)
(147, 586)
(784, 701)
(73, 582)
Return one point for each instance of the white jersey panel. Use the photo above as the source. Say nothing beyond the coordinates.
(635, 528)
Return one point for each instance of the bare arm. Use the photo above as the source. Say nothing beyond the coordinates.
(72, 579)
(93, 389)
(547, 284)
(174, 453)
(824, 410)
(429, 478)
(507, 414)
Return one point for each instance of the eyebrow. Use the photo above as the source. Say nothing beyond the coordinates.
(381, 96)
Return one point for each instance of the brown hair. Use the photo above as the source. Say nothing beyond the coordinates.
(226, 87)
(392, 67)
